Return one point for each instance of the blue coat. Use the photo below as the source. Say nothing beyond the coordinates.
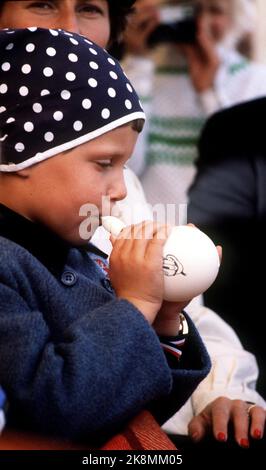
(75, 360)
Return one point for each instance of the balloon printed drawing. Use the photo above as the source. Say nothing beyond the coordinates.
(172, 267)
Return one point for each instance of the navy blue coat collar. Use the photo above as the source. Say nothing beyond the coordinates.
(46, 246)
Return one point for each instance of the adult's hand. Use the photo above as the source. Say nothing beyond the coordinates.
(140, 25)
(202, 58)
(248, 421)
(168, 319)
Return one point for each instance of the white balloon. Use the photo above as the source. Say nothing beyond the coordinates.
(190, 260)
(191, 263)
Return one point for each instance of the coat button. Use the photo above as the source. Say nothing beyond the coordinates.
(69, 278)
(107, 285)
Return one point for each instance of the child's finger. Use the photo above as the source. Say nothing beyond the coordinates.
(154, 247)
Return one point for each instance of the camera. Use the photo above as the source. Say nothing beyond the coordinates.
(177, 25)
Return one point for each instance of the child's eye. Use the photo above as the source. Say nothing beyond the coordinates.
(108, 164)
(105, 163)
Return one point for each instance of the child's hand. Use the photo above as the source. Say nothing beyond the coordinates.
(168, 320)
(136, 268)
(202, 57)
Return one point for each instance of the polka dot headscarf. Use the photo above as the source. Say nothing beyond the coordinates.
(57, 90)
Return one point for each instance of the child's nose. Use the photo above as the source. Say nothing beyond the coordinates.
(118, 190)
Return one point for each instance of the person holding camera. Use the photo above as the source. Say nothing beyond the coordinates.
(183, 80)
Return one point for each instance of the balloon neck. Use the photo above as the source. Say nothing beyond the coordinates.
(113, 225)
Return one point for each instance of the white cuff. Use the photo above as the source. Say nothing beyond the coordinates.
(200, 401)
(209, 101)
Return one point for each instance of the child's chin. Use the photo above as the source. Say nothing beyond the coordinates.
(75, 239)
(79, 240)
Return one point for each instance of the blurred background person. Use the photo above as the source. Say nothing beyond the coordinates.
(181, 84)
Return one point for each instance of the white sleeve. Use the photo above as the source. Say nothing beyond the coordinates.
(230, 88)
(2, 420)
(140, 72)
(234, 370)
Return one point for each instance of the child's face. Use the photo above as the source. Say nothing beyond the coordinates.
(87, 17)
(57, 187)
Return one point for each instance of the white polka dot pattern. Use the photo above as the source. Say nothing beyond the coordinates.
(23, 91)
(19, 147)
(92, 82)
(78, 125)
(49, 136)
(58, 116)
(3, 88)
(28, 126)
(51, 51)
(113, 75)
(26, 68)
(61, 90)
(65, 94)
(48, 71)
(5, 66)
(37, 108)
(73, 57)
(105, 113)
(112, 92)
(30, 47)
(128, 104)
(86, 103)
(93, 65)
(70, 76)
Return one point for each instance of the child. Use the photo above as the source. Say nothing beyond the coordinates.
(79, 356)
(103, 22)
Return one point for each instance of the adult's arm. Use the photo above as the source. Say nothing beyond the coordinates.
(233, 374)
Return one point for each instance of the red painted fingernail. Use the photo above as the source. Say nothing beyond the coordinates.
(221, 436)
(244, 443)
(257, 434)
